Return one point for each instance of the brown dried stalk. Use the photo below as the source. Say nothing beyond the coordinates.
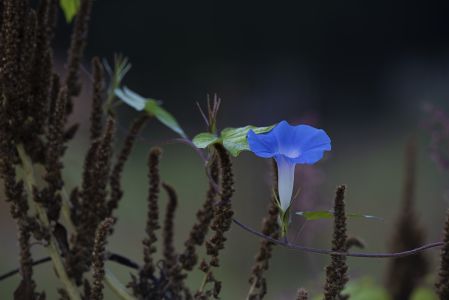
(405, 274)
(98, 259)
(221, 224)
(336, 272)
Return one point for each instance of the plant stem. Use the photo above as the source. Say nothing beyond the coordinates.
(204, 282)
(251, 289)
(289, 245)
(116, 286)
(65, 209)
(52, 247)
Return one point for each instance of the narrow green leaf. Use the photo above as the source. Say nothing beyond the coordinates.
(132, 99)
(116, 74)
(204, 139)
(363, 216)
(235, 139)
(70, 8)
(318, 215)
(315, 215)
(153, 107)
(121, 68)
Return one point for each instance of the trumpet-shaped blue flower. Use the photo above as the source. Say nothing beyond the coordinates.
(289, 145)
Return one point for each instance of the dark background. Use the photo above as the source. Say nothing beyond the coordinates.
(358, 58)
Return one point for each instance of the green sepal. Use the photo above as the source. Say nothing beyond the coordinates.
(283, 217)
(284, 221)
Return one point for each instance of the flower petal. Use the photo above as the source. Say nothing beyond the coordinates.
(293, 141)
(316, 141)
(309, 157)
(263, 145)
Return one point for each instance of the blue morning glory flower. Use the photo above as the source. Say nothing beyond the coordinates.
(289, 145)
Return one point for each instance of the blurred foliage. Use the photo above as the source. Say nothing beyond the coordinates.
(366, 288)
(424, 293)
(363, 289)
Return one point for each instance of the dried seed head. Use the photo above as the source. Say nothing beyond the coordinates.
(302, 294)
(98, 258)
(222, 219)
(336, 272)
(204, 216)
(97, 99)
(76, 50)
(153, 212)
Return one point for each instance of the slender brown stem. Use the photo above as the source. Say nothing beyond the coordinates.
(330, 252)
(16, 271)
(114, 257)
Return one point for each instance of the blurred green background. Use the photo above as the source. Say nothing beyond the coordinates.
(360, 70)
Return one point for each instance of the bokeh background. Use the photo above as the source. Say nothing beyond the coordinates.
(362, 70)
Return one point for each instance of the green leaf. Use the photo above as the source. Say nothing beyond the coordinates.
(235, 139)
(132, 99)
(318, 215)
(153, 108)
(315, 215)
(204, 139)
(363, 216)
(70, 8)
